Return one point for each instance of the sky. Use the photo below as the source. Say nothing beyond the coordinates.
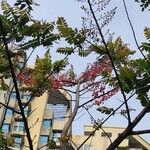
(70, 9)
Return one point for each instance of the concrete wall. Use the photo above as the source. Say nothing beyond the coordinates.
(35, 119)
(99, 142)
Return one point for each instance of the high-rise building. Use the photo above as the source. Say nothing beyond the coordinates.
(46, 116)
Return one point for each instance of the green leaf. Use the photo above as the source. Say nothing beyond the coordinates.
(65, 50)
(105, 110)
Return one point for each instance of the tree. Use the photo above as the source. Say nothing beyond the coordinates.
(113, 67)
(132, 76)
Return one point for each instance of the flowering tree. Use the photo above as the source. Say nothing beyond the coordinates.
(113, 69)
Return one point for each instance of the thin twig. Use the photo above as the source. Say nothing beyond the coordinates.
(99, 126)
(112, 62)
(133, 32)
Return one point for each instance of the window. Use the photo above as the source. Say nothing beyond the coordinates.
(59, 110)
(86, 147)
(89, 133)
(21, 65)
(5, 128)
(47, 123)
(56, 136)
(106, 134)
(9, 112)
(44, 139)
(25, 109)
(13, 95)
(19, 126)
(25, 96)
(18, 142)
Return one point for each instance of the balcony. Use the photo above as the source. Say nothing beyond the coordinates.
(18, 117)
(17, 132)
(45, 131)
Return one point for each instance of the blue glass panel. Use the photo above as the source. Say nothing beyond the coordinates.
(19, 126)
(56, 137)
(18, 142)
(60, 110)
(13, 95)
(9, 112)
(5, 128)
(47, 123)
(27, 97)
(43, 139)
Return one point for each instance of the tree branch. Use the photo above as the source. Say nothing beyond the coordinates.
(11, 108)
(16, 87)
(140, 132)
(72, 116)
(128, 130)
(109, 55)
(96, 97)
(100, 125)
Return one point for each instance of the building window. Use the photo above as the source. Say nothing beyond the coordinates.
(47, 123)
(9, 112)
(56, 136)
(5, 128)
(60, 110)
(44, 139)
(26, 108)
(21, 65)
(19, 126)
(89, 133)
(86, 147)
(18, 142)
(106, 134)
(25, 96)
(13, 95)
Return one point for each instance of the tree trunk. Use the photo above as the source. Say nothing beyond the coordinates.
(70, 120)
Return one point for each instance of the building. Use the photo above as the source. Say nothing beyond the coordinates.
(46, 116)
(100, 141)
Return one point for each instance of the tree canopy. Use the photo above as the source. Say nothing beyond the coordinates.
(114, 70)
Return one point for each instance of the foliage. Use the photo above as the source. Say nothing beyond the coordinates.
(74, 37)
(2, 141)
(52, 144)
(105, 110)
(38, 77)
(22, 32)
(143, 3)
(135, 75)
(123, 148)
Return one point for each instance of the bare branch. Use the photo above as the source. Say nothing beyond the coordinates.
(16, 87)
(128, 130)
(11, 108)
(112, 62)
(69, 122)
(140, 132)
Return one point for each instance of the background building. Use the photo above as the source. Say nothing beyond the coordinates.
(100, 141)
(46, 117)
